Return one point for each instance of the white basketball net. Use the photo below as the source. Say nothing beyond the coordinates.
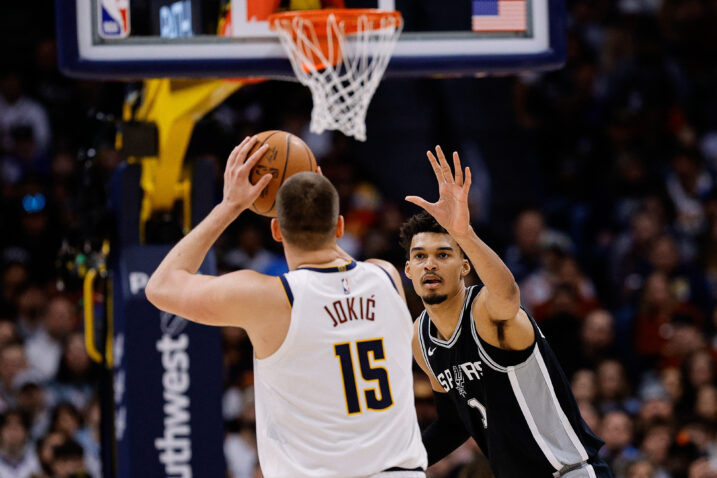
(344, 78)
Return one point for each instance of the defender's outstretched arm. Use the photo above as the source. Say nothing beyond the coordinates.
(502, 296)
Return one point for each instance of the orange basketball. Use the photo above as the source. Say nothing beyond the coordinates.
(286, 156)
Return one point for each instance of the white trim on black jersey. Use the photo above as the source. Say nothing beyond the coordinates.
(484, 354)
(422, 344)
(561, 413)
(531, 378)
(457, 331)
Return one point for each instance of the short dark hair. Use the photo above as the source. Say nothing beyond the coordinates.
(69, 449)
(307, 207)
(23, 418)
(416, 224)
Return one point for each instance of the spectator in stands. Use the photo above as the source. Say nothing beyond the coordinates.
(523, 257)
(614, 389)
(655, 403)
(597, 338)
(698, 370)
(46, 454)
(31, 306)
(76, 373)
(655, 445)
(18, 110)
(630, 255)
(687, 283)
(89, 438)
(657, 310)
(32, 400)
(13, 364)
(65, 419)
(68, 460)
(17, 455)
(44, 349)
(15, 277)
(640, 469)
(706, 404)
(250, 252)
(671, 380)
(584, 385)
(617, 432)
(688, 183)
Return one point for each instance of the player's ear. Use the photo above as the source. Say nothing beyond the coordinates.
(465, 268)
(275, 231)
(407, 269)
(340, 226)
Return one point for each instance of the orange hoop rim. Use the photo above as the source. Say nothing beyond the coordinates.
(348, 15)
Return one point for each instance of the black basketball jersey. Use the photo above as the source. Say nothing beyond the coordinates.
(517, 405)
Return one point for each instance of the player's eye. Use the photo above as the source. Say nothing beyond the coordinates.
(419, 256)
(443, 255)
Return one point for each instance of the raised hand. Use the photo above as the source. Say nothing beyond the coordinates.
(451, 209)
(239, 193)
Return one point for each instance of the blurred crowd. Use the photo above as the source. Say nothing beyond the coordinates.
(601, 199)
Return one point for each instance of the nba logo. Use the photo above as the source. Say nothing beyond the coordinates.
(114, 18)
(345, 283)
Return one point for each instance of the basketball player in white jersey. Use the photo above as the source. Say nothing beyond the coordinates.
(332, 338)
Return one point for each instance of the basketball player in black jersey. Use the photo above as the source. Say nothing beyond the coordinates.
(494, 375)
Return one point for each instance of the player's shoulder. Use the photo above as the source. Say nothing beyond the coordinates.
(248, 282)
(387, 266)
(388, 269)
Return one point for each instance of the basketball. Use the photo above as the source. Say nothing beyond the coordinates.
(286, 156)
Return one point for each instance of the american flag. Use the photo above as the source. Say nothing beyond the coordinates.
(500, 16)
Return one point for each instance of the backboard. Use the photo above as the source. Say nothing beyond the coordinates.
(130, 39)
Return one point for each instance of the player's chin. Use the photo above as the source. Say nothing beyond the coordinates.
(433, 298)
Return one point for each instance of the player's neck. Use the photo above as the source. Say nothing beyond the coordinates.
(446, 315)
(324, 257)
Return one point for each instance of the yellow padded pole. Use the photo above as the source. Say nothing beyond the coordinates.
(174, 106)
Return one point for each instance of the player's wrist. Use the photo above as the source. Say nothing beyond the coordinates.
(463, 234)
(227, 211)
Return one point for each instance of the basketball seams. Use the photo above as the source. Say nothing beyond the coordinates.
(256, 210)
(260, 206)
(286, 165)
(310, 157)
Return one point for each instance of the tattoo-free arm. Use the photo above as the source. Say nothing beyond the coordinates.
(502, 296)
(175, 285)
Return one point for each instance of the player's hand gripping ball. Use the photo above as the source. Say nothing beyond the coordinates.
(286, 156)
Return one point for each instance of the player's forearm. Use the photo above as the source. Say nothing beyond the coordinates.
(189, 253)
(491, 270)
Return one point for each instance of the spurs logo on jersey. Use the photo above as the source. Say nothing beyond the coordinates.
(456, 376)
(338, 394)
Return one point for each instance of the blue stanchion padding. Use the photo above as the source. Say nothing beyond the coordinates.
(167, 380)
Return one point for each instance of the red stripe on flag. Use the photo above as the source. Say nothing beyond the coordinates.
(512, 17)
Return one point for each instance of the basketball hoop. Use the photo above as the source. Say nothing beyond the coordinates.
(341, 55)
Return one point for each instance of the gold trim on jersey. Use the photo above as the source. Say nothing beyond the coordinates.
(376, 391)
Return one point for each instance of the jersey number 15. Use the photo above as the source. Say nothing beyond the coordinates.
(374, 401)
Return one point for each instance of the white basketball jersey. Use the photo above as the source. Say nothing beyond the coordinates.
(336, 398)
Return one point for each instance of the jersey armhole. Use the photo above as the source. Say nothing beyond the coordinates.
(498, 359)
(287, 289)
